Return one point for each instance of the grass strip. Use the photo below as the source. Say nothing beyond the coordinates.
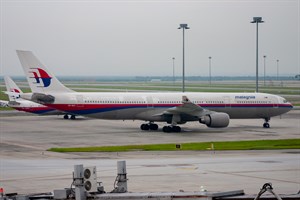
(228, 145)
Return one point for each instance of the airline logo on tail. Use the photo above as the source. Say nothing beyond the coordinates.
(41, 77)
(15, 90)
(15, 93)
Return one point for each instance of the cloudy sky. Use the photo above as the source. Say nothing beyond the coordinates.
(139, 38)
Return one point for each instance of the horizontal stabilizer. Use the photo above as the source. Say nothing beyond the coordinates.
(12, 94)
(13, 103)
(3, 103)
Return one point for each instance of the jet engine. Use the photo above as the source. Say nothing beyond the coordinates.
(42, 98)
(215, 120)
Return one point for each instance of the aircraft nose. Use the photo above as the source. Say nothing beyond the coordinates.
(289, 106)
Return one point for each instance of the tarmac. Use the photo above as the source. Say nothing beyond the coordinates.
(26, 166)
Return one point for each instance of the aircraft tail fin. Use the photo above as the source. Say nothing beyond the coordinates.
(40, 79)
(12, 90)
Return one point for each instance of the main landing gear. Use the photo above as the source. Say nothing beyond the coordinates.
(173, 127)
(150, 126)
(168, 129)
(266, 124)
(66, 116)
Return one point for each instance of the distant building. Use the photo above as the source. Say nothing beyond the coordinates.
(155, 80)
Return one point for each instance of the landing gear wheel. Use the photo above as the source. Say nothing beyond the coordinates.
(176, 129)
(66, 116)
(153, 127)
(150, 126)
(145, 127)
(266, 125)
(73, 117)
(168, 129)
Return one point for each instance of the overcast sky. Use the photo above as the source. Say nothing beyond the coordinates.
(139, 38)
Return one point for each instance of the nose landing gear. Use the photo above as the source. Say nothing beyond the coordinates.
(66, 116)
(266, 124)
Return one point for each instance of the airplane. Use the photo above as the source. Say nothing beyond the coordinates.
(212, 109)
(14, 93)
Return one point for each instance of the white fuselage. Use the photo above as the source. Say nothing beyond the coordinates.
(149, 106)
(32, 107)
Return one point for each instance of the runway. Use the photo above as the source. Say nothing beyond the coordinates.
(27, 167)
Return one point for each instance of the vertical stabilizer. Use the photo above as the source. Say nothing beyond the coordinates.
(13, 91)
(40, 79)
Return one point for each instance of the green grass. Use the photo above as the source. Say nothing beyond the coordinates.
(228, 145)
(5, 108)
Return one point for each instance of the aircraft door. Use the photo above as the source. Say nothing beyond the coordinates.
(275, 102)
(227, 101)
(80, 102)
(149, 101)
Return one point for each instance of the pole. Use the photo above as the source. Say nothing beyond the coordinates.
(209, 70)
(183, 74)
(173, 71)
(257, 20)
(183, 26)
(265, 70)
(256, 56)
(277, 70)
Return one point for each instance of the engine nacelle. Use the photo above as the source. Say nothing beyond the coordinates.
(215, 120)
(42, 98)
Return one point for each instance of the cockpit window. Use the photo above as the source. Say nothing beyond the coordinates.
(283, 100)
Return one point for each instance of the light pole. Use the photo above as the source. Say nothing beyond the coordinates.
(183, 27)
(257, 20)
(265, 70)
(209, 70)
(277, 70)
(173, 70)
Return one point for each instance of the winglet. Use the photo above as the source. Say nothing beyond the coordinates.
(185, 99)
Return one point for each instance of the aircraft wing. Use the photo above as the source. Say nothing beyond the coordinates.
(195, 112)
(188, 108)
